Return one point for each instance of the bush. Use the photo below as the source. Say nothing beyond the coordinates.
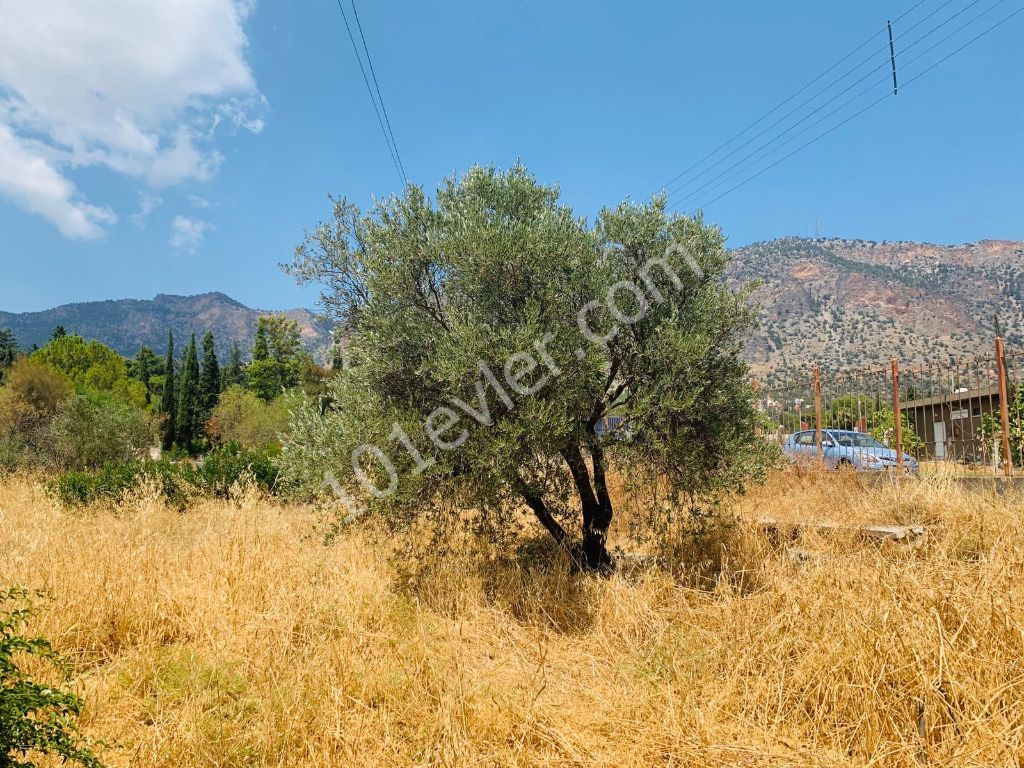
(32, 395)
(110, 482)
(224, 467)
(35, 718)
(11, 453)
(240, 416)
(94, 429)
(38, 385)
(178, 482)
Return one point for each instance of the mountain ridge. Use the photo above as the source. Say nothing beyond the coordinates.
(836, 303)
(126, 324)
(844, 304)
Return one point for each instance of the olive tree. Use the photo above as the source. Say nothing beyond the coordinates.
(505, 354)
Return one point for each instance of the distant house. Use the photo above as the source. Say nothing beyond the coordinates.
(950, 424)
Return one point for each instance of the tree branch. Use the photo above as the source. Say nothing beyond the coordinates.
(536, 503)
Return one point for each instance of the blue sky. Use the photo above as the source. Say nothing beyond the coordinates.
(149, 149)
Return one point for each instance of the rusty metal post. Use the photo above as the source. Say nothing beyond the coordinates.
(1004, 405)
(817, 412)
(757, 404)
(897, 417)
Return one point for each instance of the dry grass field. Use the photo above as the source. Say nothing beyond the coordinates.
(230, 635)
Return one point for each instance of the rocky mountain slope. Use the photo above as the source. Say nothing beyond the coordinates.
(843, 304)
(838, 304)
(125, 324)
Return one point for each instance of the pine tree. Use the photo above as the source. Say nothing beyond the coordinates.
(209, 381)
(188, 397)
(59, 332)
(278, 360)
(168, 403)
(234, 373)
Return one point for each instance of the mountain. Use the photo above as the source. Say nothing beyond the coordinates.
(843, 304)
(839, 304)
(125, 324)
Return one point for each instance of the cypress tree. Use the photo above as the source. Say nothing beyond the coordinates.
(143, 368)
(167, 402)
(188, 397)
(234, 373)
(8, 348)
(209, 381)
(260, 344)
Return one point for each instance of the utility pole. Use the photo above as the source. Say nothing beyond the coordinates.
(892, 55)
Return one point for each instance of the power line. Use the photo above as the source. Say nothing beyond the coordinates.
(387, 138)
(863, 110)
(796, 93)
(807, 101)
(376, 85)
(728, 171)
(969, 42)
(858, 95)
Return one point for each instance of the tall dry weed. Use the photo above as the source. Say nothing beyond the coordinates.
(230, 635)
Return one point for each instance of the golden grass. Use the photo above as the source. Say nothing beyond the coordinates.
(229, 635)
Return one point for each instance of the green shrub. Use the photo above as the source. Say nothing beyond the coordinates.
(93, 429)
(11, 453)
(109, 483)
(178, 481)
(223, 467)
(240, 416)
(36, 719)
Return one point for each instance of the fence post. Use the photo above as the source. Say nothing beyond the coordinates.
(757, 404)
(1004, 405)
(897, 417)
(817, 412)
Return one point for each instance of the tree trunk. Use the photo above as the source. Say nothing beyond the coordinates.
(597, 508)
(597, 555)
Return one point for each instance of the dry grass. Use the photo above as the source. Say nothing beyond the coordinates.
(229, 635)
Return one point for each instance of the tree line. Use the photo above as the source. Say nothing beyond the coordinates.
(76, 403)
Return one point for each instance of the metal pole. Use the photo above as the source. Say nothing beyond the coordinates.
(1004, 405)
(817, 412)
(897, 417)
(892, 54)
(757, 405)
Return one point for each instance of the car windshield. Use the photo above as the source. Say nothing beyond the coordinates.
(856, 440)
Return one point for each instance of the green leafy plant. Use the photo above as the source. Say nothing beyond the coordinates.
(178, 481)
(36, 718)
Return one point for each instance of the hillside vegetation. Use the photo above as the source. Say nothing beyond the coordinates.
(231, 635)
(855, 303)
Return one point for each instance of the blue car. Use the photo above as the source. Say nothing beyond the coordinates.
(844, 448)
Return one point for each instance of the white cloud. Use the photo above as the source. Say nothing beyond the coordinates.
(33, 183)
(137, 86)
(187, 234)
(199, 201)
(148, 202)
